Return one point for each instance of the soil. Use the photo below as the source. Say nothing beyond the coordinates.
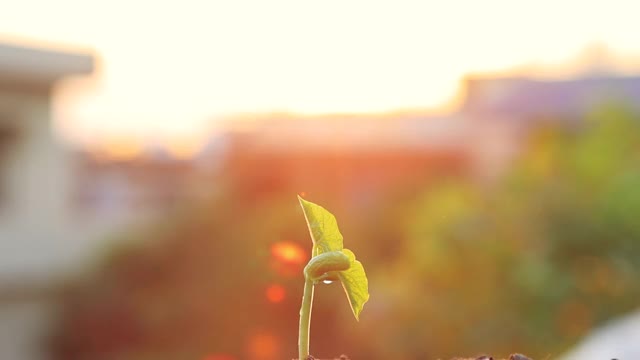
(487, 357)
(483, 357)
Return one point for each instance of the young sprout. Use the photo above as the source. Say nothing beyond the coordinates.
(329, 262)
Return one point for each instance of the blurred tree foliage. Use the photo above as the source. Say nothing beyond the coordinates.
(528, 263)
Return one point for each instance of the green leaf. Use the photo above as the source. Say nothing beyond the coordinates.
(326, 237)
(323, 228)
(355, 284)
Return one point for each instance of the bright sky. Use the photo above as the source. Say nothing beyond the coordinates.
(169, 67)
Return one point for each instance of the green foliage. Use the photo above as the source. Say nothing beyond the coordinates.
(541, 257)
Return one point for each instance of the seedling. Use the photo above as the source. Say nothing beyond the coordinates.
(329, 262)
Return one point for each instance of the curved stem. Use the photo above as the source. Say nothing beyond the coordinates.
(305, 320)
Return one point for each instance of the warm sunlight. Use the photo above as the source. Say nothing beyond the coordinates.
(168, 69)
(209, 179)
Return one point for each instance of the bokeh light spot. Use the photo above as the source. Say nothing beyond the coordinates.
(288, 252)
(263, 347)
(275, 293)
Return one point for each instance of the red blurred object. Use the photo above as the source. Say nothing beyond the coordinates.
(263, 346)
(275, 293)
(287, 258)
(288, 252)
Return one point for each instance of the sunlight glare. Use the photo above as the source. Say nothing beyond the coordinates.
(288, 252)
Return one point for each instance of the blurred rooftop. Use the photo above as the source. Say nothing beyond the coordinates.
(20, 65)
(528, 97)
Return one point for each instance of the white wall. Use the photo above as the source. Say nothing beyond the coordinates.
(34, 210)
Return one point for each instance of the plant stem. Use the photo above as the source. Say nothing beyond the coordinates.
(305, 319)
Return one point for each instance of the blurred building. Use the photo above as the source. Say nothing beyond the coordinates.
(356, 158)
(35, 189)
(525, 99)
(366, 154)
(500, 112)
(116, 193)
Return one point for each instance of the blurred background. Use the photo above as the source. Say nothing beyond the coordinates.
(482, 159)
